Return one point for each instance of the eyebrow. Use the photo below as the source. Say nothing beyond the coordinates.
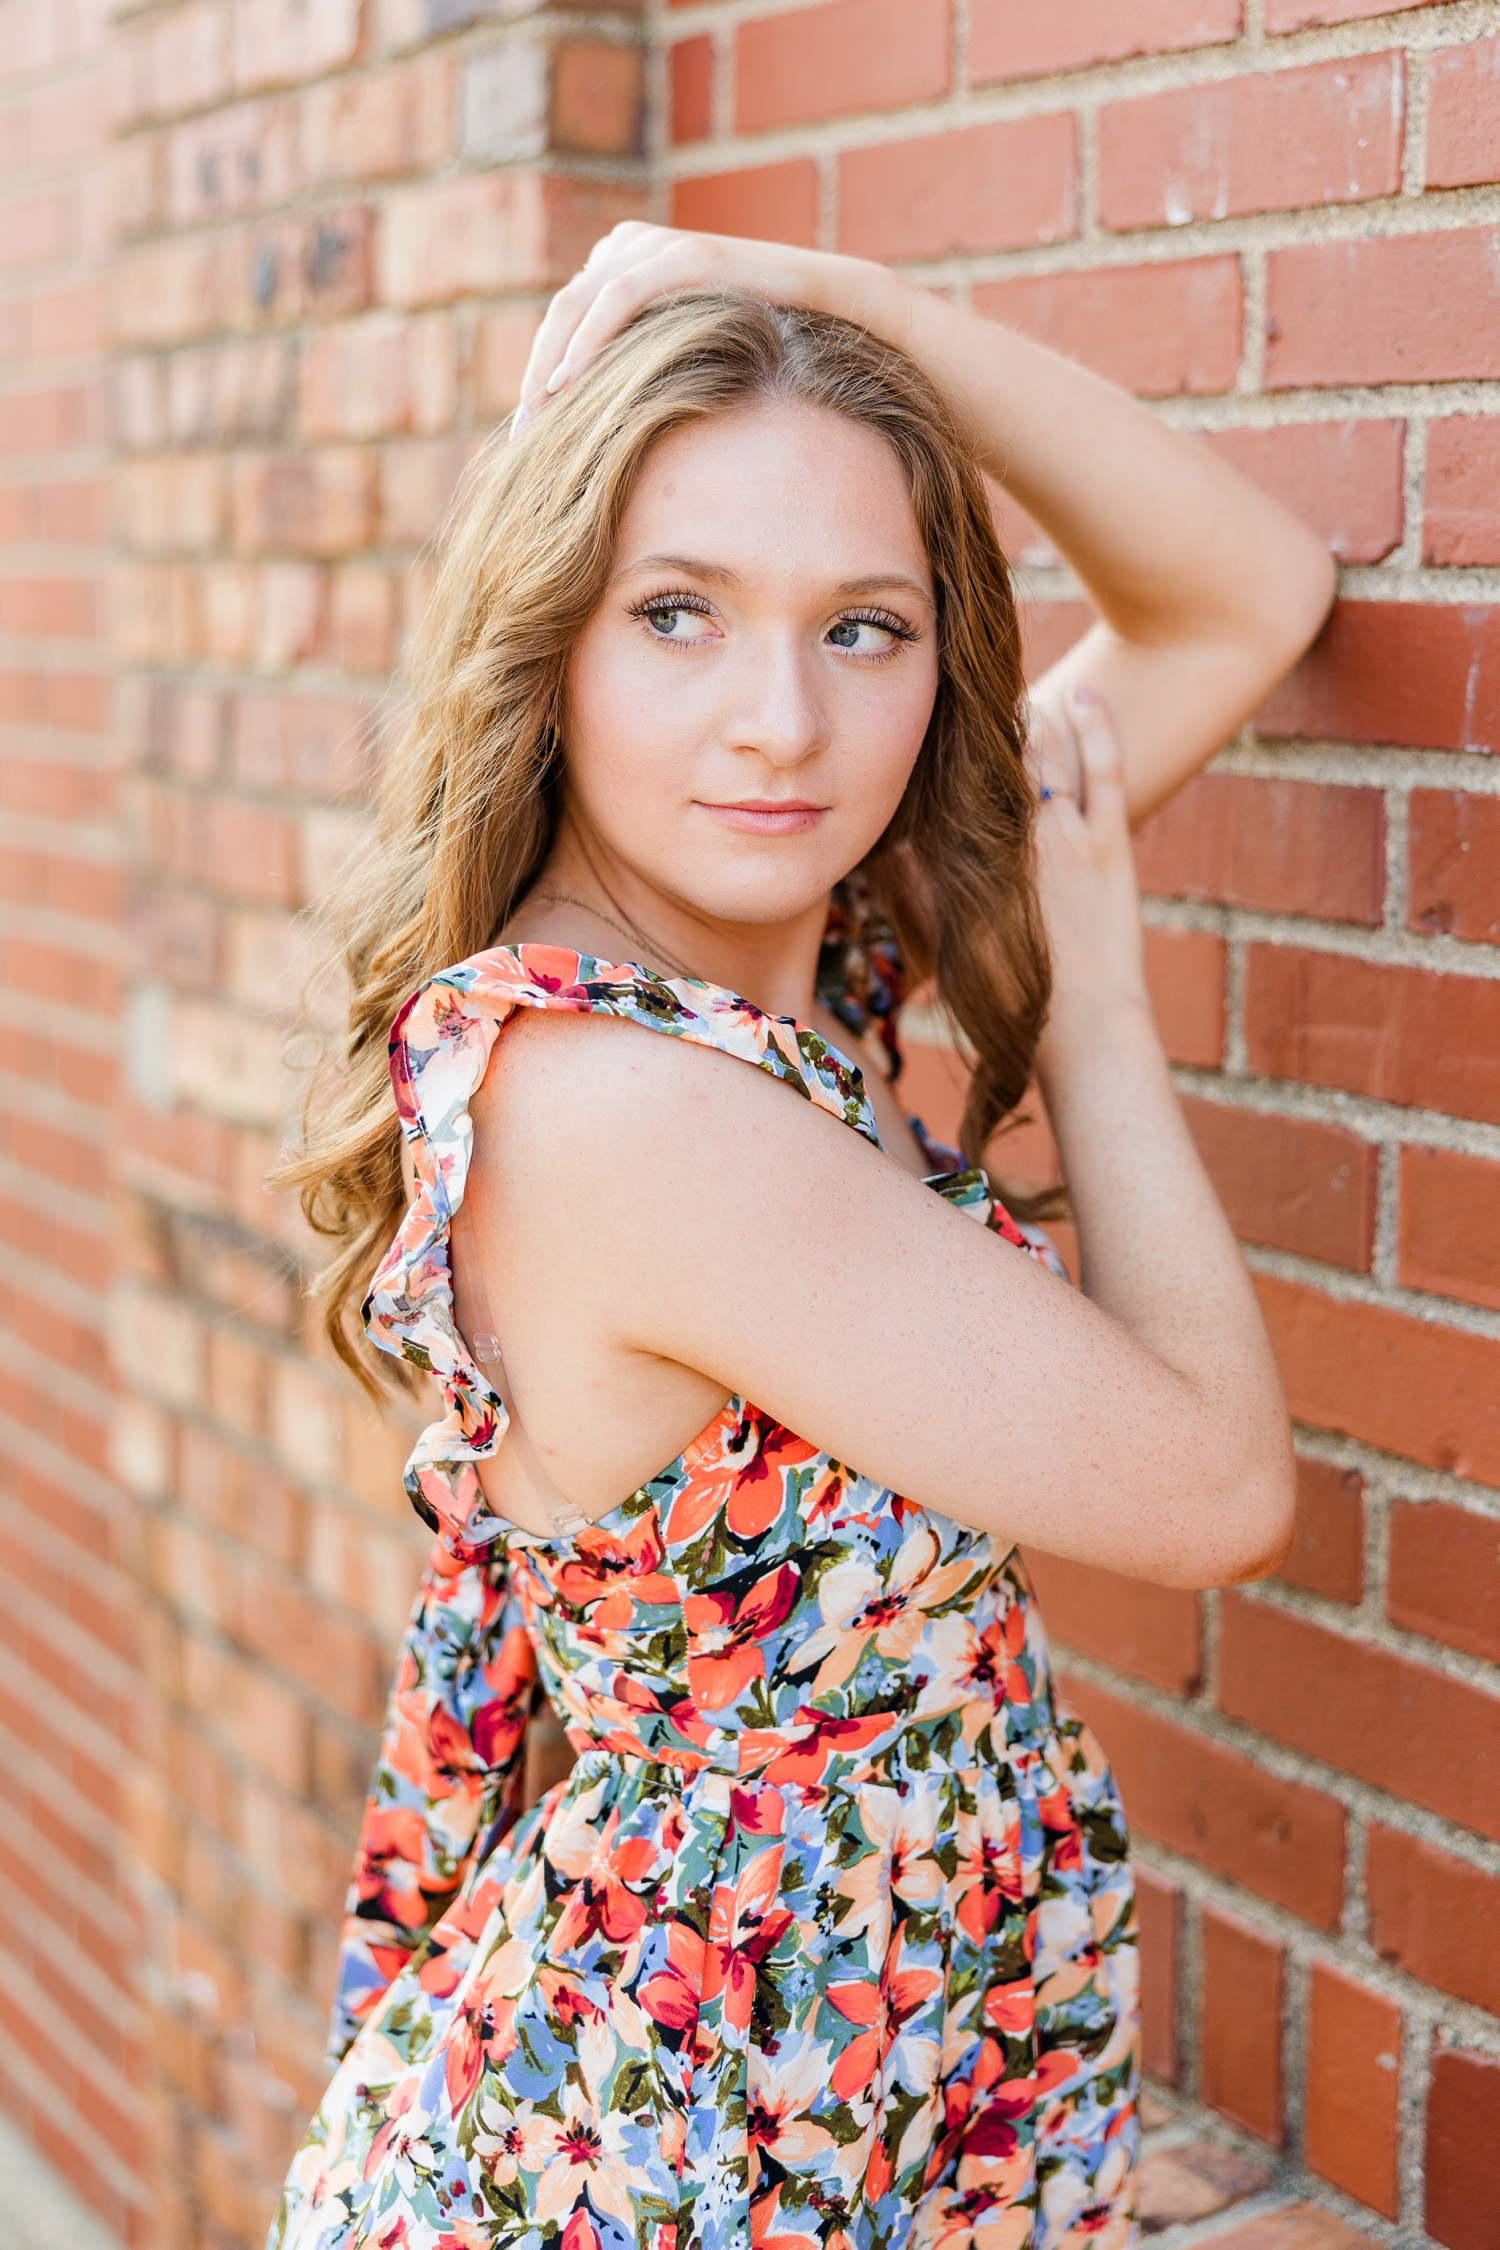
(693, 566)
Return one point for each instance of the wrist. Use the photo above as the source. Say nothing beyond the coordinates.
(1092, 1029)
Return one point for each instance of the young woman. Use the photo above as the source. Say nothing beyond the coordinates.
(718, 735)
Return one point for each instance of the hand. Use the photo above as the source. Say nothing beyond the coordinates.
(1086, 881)
(631, 267)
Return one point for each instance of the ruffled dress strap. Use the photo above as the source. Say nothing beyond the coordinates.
(440, 1049)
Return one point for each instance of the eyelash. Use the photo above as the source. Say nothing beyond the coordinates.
(884, 618)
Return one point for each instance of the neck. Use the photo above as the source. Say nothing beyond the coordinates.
(773, 964)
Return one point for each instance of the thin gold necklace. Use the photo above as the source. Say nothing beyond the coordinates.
(636, 937)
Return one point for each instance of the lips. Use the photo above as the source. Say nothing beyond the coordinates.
(767, 817)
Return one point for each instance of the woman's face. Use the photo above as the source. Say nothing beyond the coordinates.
(744, 708)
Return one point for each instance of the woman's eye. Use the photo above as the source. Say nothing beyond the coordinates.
(862, 636)
(672, 624)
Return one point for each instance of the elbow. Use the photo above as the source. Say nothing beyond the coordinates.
(1303, 596)
(1257, 1527)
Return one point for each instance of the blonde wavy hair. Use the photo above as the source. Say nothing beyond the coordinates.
(473, 790)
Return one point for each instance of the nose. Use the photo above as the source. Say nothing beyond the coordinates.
(779, 714)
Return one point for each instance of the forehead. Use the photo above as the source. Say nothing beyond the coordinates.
(779, 484)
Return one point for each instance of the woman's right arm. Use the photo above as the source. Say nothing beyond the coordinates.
(678, 1206)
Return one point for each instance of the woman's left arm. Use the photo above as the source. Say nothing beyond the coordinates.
(1207, 590)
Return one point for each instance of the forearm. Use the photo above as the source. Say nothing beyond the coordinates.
(1157, 1253)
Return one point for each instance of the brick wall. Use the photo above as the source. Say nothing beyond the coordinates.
(69, 1647)
(1280, 223)
(325, 228)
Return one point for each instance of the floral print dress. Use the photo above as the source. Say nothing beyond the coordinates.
(828, 1938)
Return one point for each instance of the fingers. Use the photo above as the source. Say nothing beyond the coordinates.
(624, 271)
(1103, 776)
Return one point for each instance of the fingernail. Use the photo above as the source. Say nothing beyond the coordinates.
(562, 376)
(1083, 693)
(519, 420)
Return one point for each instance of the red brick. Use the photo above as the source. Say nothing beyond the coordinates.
(1328, 1538)
(276, 40)
(1287, 847)
(1463, 115)
(1434, 1916)
(1158, 330)
(1444, 1577)
(1297, 15)
(1158, 1903)
(691, 89)
(598, 98)
(1185, 972)
(1461, 489)
(502, 346)
(1017, 39)
(1423, 675)
(1281, 1839)
(995, 187)
(1151, 1631)
(1463, 2132)
(1349, 2129)
(829, 61)
(1425, 1737)
(773, 203)
(1410, 1386)
(1343, 478)
(1289, 1182)
(1397, 1034)
(1416, 308)
(1271, 142)
(1450, 1225)
(1454, 872)
(1239, 2037)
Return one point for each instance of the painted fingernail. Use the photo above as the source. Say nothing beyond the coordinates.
(562, 376)
(519, 420)
(1083, 693)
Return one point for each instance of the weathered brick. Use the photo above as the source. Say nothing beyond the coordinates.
(1336, 1698)
(995, 187)
(1282, 1840)
(1152, 1631)
(690, 66)
(1239, 2033)
(1450, 1225)
(773, 203)
(1328, 1539)
(1424, 675)
(1298, 15)
(1444, 1575)
(598, 98)
(1157, 330)
(1016, 39)
(1180, 2184)
(313, 503)
(1158, 1903)
(1398, 1034)
(1272, 141)
(378, 376)
(1349, 2126)
(278, 40)
(1287, 847)
(1435, 1916)
(1185, 971)
(845, 56)
(1463, 115)
(1415, 308)
(1409, 1386)
(1463, 2120)
(490, 232)
(1461, 489)
(1343, 478)
(1290, 1182)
